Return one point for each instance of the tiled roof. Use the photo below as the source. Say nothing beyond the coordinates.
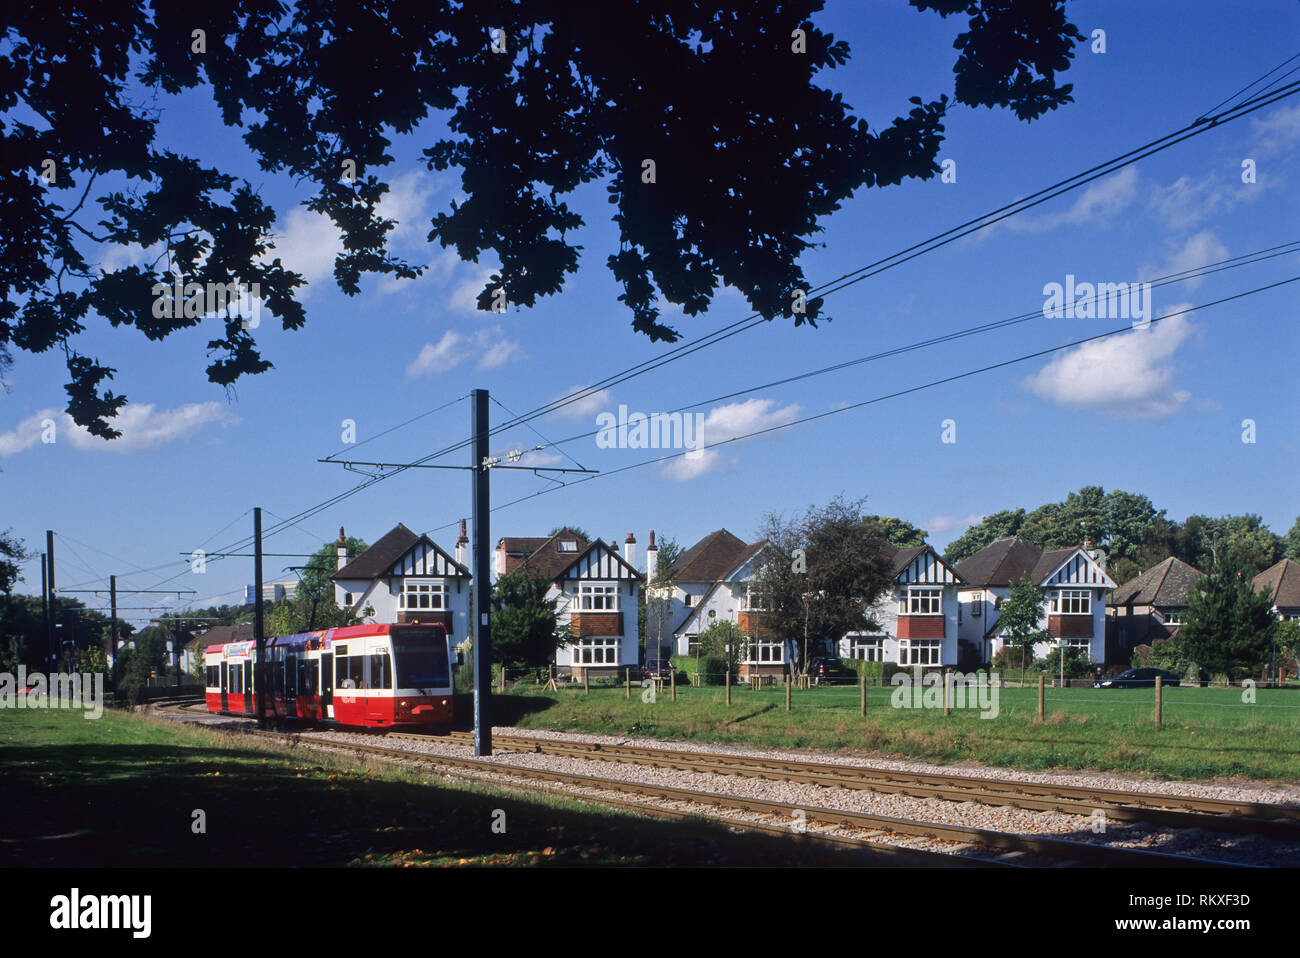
(1049, 562)
(1282, 581)
(1167, 584)
(1003, 562)
(545, 559)
(711, 558)
(377, 560)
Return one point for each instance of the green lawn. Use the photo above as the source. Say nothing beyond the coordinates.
(122, 790)
(1206, 732)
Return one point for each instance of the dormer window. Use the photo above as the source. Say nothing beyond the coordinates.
(568, 545)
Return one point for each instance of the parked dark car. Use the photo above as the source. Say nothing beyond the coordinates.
(657, 669)
(830, 670)
(1137, 679)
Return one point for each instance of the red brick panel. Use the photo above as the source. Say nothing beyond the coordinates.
(752, 625)
(596, 623)
(1070, 626)
(920, 626)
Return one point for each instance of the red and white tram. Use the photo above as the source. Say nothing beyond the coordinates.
(368, 675)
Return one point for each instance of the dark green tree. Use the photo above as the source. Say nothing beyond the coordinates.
(1229, 627)
(722, 648)
(898, 532)
(820, 577)
(525, 623)
(539, 100)
(12, 552)
(999, 525)
(1293, 541)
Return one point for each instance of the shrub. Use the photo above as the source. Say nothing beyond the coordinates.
(1076, 665)
(713, 667)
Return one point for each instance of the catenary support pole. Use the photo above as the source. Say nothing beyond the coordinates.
(482, 573)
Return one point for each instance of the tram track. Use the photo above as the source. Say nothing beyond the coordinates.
(871, 833)
(1173, 811)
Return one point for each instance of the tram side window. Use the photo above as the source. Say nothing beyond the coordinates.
(307, 677)
(380, 673)
(214, 676)
(349, 672)
(236, 680)
(291, 676)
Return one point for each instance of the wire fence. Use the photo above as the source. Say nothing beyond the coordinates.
(1240, 705)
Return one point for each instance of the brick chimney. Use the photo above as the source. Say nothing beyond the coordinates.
(462, 546)
(651, 558)
(629, 550)
(342, 549)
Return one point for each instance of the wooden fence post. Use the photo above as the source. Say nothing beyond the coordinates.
(501, 680)
(728, 680)
(627, 676)
(672, 679)
(1159, 701)
(586, 681)
(947, 693)
(1040, 696)
(787, 693)
(862, 694)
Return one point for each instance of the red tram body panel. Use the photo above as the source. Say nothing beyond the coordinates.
(360, 675)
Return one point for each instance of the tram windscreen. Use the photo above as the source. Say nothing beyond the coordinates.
(421, 660)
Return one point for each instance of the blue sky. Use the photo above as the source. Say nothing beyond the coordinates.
(1157, 411)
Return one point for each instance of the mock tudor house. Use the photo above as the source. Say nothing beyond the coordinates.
(1281, 582)
(597, 589)
(715, 581)
(406, 577)
(917, 618)
(1074, 581)
(1148, 608)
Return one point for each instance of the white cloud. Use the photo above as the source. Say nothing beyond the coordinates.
(407, 202)
(490, 345)
(1200, 250)
(585, 408)
(1125, 376)
(1101, 201)
(938, 525)
(726, 422)
(1277, 133)
(143, 426)
(463, 297)
(307, 243)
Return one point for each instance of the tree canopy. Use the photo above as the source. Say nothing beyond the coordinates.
(820, 575)
(718, 149)
(1134, 534)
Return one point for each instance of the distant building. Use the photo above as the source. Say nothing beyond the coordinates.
(1281, 583)
(1148, 607)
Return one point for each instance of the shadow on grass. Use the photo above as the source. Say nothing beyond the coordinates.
(135, 805)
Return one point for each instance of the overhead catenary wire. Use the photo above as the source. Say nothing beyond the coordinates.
(883, 398)
(1199, 126)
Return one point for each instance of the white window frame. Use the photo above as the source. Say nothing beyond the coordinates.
(870, 647)
(1063, 598)
(434, 589)
(597, 650)
(688, 600)
(920, 651)
(917, 596)
(598, 597)
(764, 653)
(1083, 645)
(568, 545)
(747, 600)
(1173, 616)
